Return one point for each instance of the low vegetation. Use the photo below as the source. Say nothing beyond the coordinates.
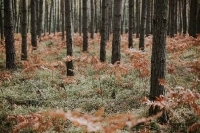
(38, 97)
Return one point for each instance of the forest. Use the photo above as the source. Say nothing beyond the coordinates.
(124, 66)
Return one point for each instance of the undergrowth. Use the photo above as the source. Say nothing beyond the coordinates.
(100, 97)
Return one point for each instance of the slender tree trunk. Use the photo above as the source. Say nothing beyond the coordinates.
(134, 29)
(85, 25)
(63, 19)
(198, 19)
(175, 17)
(123, 14)
(193, 18)
(40, 19)
(103, 32)
(143, 24)
(80, 17)
(184, 17)
(92, 19)
(50, 17)
(172, 23)
(110, 12)
(54, 17)
(37, 16)
(180, 17)
(18, 17)
(130, 35)
(158, 58)
(116, 31)
(15, 14)
(96, 17)
(24, 31)
(137, 18)
(1, 21)
(33, 25)
(58, 16)
(29, 16)
(169, 17)
(148, 20)
(69, 36)
(46, 17)
(9, 35)
(152, 10)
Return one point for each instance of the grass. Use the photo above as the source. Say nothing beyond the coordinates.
(44, 89)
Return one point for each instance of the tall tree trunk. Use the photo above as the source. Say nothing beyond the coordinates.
(134, 29)
(198, 19)
(169, 18)
(24, 31)
(9, 35)
(152, 13)
(18, 16)
(40, 19)
(33, 25)
(54, 17)
(193, 18)
(137, 18)
(175, 17)
(148, 20)
(143, 24)
(76, 16)
(96, 17)
(172, 23)
(158, 58)
(37, 16)
(50, 17)
(63, 19)
(103, 32)
(69, 36)
(116, 31)
(184, 17)
(110, 12)
(92, 19)
(85, 25)
(130, 35)
(80, 17)
(46, 16)
(58, 16)
(14, 14)
(180, 17)
(29, 16)
(1, 21)
(123, 15)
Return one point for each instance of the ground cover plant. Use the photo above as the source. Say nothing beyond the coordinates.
(39, 97)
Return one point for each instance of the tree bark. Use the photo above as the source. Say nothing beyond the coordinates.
(137, 18)
(172, 23)
(58, 17)
(40, 19)
(158, 58)
(130, 35)
(92, 19)
(85, 25)
(80, 17)
(33, 25)
(123, 14)
(9, 35)
(193, 18)
(1, 22)
(180, 17)
(198, 19)
(50, 17)
(175, 17)
(143, 24)
(63, 18)
(116, 31)
(24, 31)
(69, 36)
(184, 17)
(103, 32)
(148, 20)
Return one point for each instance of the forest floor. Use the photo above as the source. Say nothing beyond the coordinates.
(40, 84)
